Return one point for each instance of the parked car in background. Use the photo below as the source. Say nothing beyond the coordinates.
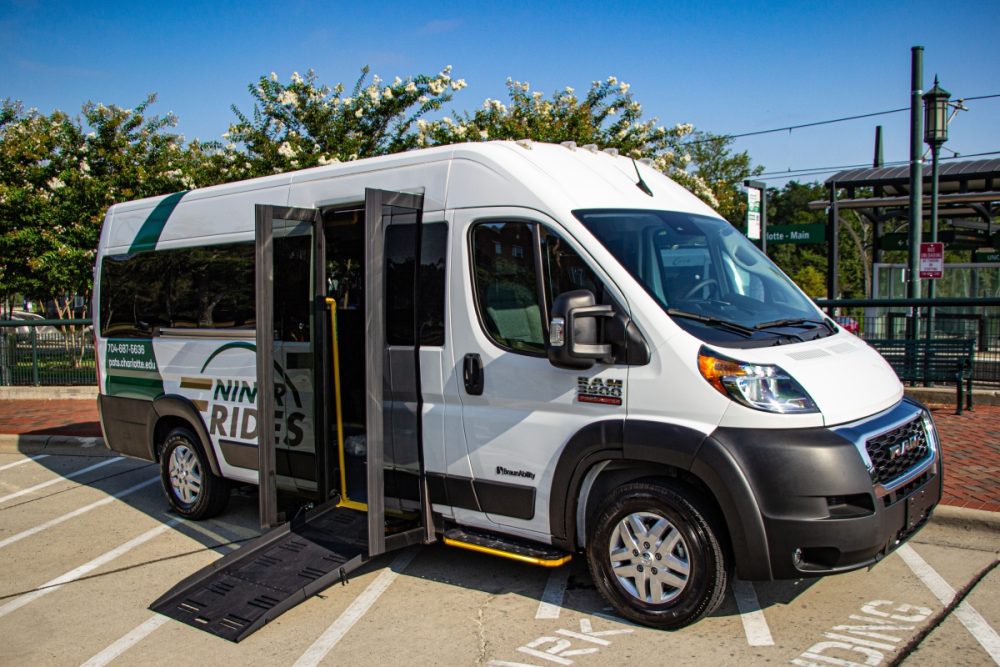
(848, 323)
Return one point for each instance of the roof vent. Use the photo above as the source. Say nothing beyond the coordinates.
(524, 143)
(569, 144)
(590, 147)
(648, 161)
(613, 152)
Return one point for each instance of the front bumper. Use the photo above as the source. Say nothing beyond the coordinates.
(830, 499)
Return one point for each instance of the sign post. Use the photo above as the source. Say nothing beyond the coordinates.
(757, 213)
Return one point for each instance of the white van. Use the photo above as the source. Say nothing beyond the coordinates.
(526, 349)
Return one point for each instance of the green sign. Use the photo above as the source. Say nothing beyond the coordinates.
(131, 369)
(955, 239)
(814, 233)
(991, 256)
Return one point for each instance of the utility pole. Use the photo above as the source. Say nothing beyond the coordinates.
(916, 184)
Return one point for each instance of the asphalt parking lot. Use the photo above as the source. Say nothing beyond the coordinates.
(86, 543)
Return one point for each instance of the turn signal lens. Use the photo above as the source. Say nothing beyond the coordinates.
(759, 386)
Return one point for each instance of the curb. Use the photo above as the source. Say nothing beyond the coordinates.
(66, 445)
(941, 395)
(48, 393)
(966, 519)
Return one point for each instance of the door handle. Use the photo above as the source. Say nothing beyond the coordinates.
(472, 373)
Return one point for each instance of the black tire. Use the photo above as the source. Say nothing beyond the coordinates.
(694, 581)
(194, 492)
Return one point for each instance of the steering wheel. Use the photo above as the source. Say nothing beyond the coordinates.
(700, 285)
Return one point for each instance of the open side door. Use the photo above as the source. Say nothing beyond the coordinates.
(296, 361)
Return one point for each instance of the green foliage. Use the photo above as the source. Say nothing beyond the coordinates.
(58, 176)
(723, 172)
(811, 280)
(304, 124)
(807, 264)
(607, 116)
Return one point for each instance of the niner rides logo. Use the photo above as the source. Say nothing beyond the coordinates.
(232, 407)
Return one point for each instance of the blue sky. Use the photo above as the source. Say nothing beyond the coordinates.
(726, 67)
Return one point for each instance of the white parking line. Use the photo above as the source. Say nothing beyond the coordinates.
(973, 621)
(125, 643)
(333, 634)
(552, 597)
(63, 478)
(86, 568)
(23, 461)
(75, 513)
(754, 624)
(140, 632)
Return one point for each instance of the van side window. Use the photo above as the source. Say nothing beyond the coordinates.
(399, 244)
(207, 287)
(565, 270)
(519, 268)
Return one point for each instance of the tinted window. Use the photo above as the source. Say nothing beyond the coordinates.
(399, 256)
(565, 270)
(208, 287)
(507, 284)
(293, 268)
(701, 270)
(513, 300)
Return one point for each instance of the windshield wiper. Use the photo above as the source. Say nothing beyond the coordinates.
(712, 321)
(794, 322)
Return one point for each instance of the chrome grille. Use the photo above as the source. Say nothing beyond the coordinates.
(895, 452)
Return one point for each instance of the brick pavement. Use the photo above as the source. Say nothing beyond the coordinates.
(971, 442)
(971, 446)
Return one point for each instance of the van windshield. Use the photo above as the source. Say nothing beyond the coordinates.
(708, 277)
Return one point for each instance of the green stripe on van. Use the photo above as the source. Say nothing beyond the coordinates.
(153, 226)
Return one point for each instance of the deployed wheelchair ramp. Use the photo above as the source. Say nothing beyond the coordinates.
(299, 401)
(245, 589)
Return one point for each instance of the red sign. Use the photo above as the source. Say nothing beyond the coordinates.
(931, 260)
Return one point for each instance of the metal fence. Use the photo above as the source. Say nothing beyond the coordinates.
(974, 319)
(46, 352)
(61, 352)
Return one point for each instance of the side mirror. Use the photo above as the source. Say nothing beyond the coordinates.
(574, 331)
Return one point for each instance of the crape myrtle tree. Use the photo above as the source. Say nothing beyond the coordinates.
(303, 123)
(58, 176)
(609, 116)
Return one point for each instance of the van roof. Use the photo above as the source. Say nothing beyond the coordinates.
(554, 179)
(584, 174)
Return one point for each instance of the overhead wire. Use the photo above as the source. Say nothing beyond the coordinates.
(789, 128)
(814, 171)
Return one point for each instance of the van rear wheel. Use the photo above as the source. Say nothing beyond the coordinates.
(654, 555)
(191, 488)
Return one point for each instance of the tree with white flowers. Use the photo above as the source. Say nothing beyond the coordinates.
(609, 116)
(58, 176)
(303, 123)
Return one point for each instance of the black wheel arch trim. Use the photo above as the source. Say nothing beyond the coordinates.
(173, 405)
(680, 447)
(715, 466)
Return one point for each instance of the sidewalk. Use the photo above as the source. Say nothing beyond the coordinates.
(971, 441)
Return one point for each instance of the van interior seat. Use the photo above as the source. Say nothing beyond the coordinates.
(513, 311)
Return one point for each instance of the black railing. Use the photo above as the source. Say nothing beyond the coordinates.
(946, 318)
(46, 352)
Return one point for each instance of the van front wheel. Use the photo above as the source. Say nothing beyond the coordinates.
(654, 555)
(191, 488)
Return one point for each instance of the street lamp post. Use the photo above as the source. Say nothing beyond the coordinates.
(935, 135)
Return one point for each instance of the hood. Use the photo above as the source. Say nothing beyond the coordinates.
(847, 379)
(845, 376)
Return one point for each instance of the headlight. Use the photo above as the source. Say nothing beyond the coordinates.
(757, 386)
